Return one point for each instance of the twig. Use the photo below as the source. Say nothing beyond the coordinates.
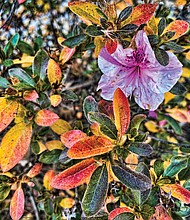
(34, 205)
(81, 85)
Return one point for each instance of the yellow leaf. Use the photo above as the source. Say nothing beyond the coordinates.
(182, 115)
(187, 96)
(54, 144)
(55, 100)
(42, 147)
(25, 60)
(180, 2)
(8, 110)
(66, 54)
(168, 96)
(85, 10)
(21, 114)
(188, 55)
(186, 72)
(151, 126)
(48, 178)
(132, 159)
(153, 24)
(172, 139)
(54, 72)
(61, 126)
(14, 145)
(99, 42)
(67, 203)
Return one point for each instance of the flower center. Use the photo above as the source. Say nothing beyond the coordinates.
(139, 55)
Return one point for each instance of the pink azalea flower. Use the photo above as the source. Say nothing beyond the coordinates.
(138, 72)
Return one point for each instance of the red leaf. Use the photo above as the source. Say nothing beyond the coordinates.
(35, 170)
(71, 137)
(121, 112)
(118, 211)
(17, 204)
(75, 175)
(106, 108)
(160, 214)
(46, 118)
(90, 146)
(30, 95)
(111, 45)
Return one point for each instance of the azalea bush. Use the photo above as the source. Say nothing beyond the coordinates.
(97, 127)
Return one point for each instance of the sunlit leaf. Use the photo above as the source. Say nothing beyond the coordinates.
(85, 10)
(67, 203)
(60, 126)
(96, 191)
(121, 112)
(90, 146)
(180, 28)
(55, 100)
(66, 54)
(14, 145)
(46, 117)
(99, 43)
(140, 14)
(8, 110)
(111, 45)
(49, 175)
(30, 95)
(54, 144)
(168, 96)
(75, 175)
(17, 204)
(54, 72)
(118, 211)
(177, 192)
(151, 126)
(25, 61)
(35, 170)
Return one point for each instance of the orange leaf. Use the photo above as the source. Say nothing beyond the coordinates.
(71, 137)
(182, 115)
(17, 204)
(54, 72)
(14, 145)
(66, 54)
(111, 45)
(90, 146)
(8, 110)
(55, 100)
(75, 175)
(118, 211)
(35, 170)
(160, 214)
(121, 112)
(86, 10)
(49, 175)
(178, 192)
(46, 118)
(106, 108)
(179, 26)
(140, 14)
(30, 95)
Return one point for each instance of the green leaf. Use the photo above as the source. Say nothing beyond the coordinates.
(93, 31)
(125, 216)
(125, 13)
(141, 149)
(153, 39)
(5, 179)
(184, 174)
(69, 95)
(177, 163)
(161, 56)
(12, 43)
(175, 47)
(4, 83)
(22, 76)
(153, 198)
(147, 211)
(2, 54)
(175, 216)
(161, 26)
(25, 48)
(96, 191)
(174, 124)
(50, 157)
(101, 13)
(106, 124)
(40, 63)
(136, 121)
(178, 89)
(48, 207)
(184, 211)
(8, 62)
(159, 167)
(89, 105)
(128, 29)
(4, 191)
(74, 41)
(132, 179)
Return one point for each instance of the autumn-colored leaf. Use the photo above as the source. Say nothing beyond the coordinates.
(118, 211)
(25, 60)
(111, 45)
(168, 96)
(30, 95)
(55, 100)
(106, 108)
(66, 54)
(54, 72)
(121, 112)
(181, 115)
(60, 126)
(54, 144)
(160, 214)
(75, 175)
(99, 42)
(140, 14)
(17, 204)
(71, 137)
(8, 110)
(151, 126)
(46, 118)
(21, 114)
(187, 55)
(35, 170)
(49, 175)
(85, 10)
(95, 129)
(14, 145)
(180, 27)
(67, 203)
(90, 146)
(21, 1)
(178, 192)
